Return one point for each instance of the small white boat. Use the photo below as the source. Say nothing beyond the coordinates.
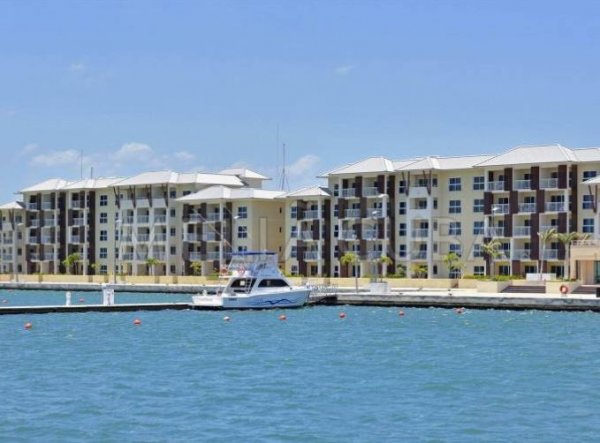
(255, 282)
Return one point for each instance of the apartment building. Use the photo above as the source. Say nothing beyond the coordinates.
(416, 211)
(12, 257)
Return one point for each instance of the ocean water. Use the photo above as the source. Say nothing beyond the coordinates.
(431, 375)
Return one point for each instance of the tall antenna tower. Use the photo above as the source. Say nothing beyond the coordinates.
(285, 184)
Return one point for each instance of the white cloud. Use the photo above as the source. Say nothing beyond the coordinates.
(130, 151)
(344, 70)
(56, 158)
(77, 67)
(184, 156)
(304, 165)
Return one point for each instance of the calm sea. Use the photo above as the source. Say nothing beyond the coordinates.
(431, 375)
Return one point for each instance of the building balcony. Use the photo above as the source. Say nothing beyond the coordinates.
(418, 255)
(33, 239)
(7, 257)
(417, 191)
(159, 255)
(34, 223)
(521, 231)
(33, 206)
(213, 255)
(521, 254)
(352, 213)
(544, 228)
(371, 191)
(555, 206)
(195, 256)
(494, 232)
(127, 239)
(191, 237)
(160, 237)
(127, 256)
(500, 208)
(348, 192)
(377, 213)
(76, 204)
(307, 235)
(551, 254)
(527, 207)
(420, 233)
(370, 234)
(495, 186)
(7, 241)
(522, 185)
(209, 236)
(78, 221)
(74, 239)
(160, 219)
(49, 222)
(47, 206)
(45, 256)
(128, 220)
(213, 217)
(348, 235)
(549, 183)
(195, 218)
(142, 238)
(311, 214)
(47, 239)
(374, 255)
(311, 256)
(143, 201)
(143, 219)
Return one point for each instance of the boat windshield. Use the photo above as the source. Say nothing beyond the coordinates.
(273, 283)
(242, 285)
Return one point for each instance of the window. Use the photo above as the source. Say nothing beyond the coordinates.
(294, 269)
(588, 201)
(454, 207)
(401, 187)
(172, 193)
(242, 248)
(103, 235)
(402, 229)
(242, 232)
(402, 250)
(172, 212)
(336, 231)
(172, 269)
(478, 205)
(294, 212)
(477, 251)
(172, 232)
(103, 252)
(478, 228)
(103, 217)
(478, 183)
(242, 212)
(588, 225)
(454, 228)
(588, 174)
(402, 208)
(104, 200)
(456, 248)
(454, 184)
(336, 211)
(184, 193)
(173, 250)
(294, 232)
(294, 252)
(478, 270)
(103, 269)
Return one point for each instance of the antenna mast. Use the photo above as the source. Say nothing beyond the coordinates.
(285, 185)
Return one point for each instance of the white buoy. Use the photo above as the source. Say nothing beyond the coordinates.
(68, 298)
(108, 295)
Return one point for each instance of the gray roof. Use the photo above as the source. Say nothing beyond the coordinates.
(368, 165)
(244, 173)
(52, 184)
(170, 177)
(219, 192)
(531, 155)
(310, 191)
(12, 205)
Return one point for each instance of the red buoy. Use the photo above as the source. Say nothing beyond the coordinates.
(282, 317)
(28, 325)
(342, 315)
(460, 310)
(137, 322)
(401, 313)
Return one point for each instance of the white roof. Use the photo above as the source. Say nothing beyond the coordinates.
(532, 155)
(170, 177)
(93, 183)
(587, 154)
(52, 184)
(443, 163)
(225, 193)
(311, 191)
(244, 173)
(12, 205)
(372, 164)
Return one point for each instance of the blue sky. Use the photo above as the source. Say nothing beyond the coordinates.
(203, 85)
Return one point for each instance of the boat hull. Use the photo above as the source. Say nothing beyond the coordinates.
(293, 298)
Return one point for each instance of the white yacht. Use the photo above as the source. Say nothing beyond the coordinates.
(255, 282)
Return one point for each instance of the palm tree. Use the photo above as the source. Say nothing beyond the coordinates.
(384, 261)
(196, 267)
(152, 262)
(566, 238)
(491, 250)
(351, 259)
(418, 270)
(70, 261)
(452, 261)
(544, 237)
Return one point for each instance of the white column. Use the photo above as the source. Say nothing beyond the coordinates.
(221, 243)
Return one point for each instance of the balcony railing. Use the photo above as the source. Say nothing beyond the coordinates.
(374, 255)
(420, 233)
(348, 192)
(74, 239)
(548, 183)
(494, 232)
(586, 243)
(128, 220)
(522, 184)
(311, 255)
(376, 213)
(46, 256)
(78, 221)
(76, 204)
(34, 239)
(419, 255)
(7, 241)
(195, 218)
(527, 207)
(160, 237)
(49, 222)
(212, 255)
(551, 254)
(127, 239)
(158, 255)
(142, 237)
(521, 254)
(313, 213)
(521, 231)
(555, 206)
(33, 206)
(34, 223)
(140, 256)
(495, 186)
(500, 208)
(213, 217)
(127, 256)
(370, 234)
(7, 257)
(209, 236)
(352, 213)
(143, 219)
(348, 235)
(46, 205)
(160, 219)
(142, 202)
(370, 191)
(195, 256)
(47, 239)
(307, 235)
(191, 237)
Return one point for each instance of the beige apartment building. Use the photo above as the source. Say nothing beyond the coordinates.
(413, 211)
